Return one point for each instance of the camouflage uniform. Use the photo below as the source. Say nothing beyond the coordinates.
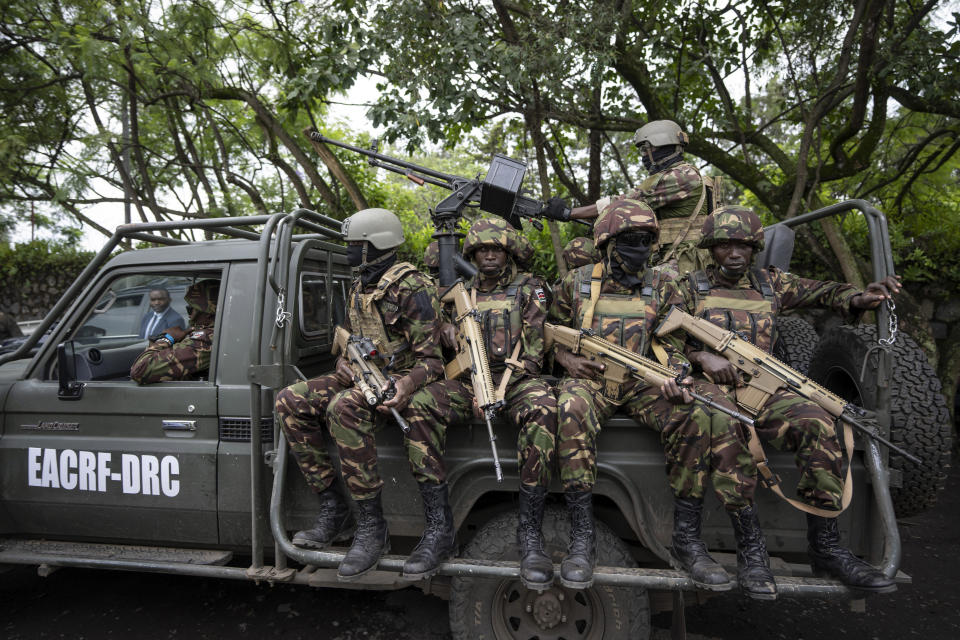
(627, 317)
(512, 313)
(190, 356)
(750, 307)
(578, 252)
(431, 258)
(404, 303)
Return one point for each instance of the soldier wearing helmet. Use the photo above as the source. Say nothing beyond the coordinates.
(431, 259)
(392, 304)
(182, 354)
(675, 190)
(734, 294)
(513, 306)
(623, 299)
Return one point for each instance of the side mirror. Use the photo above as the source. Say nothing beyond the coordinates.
(70, 389)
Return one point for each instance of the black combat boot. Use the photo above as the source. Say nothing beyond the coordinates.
(334, 522)
(536, 569)
(371, 540)
(576, 570)
(753, 563)
(829, 560)
(690, 551)
(437, 542)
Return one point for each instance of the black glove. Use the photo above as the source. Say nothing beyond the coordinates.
(556, 209)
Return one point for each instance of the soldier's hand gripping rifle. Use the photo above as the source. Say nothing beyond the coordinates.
(372, 382)
(622, 364)
(763, 374)
(498, 193)
(472, 357)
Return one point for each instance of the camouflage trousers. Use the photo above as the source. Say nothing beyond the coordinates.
(307, 409)
(789, 422)
(699, 442)
(530, 406)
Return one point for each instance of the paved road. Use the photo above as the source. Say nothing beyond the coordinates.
(98, 604)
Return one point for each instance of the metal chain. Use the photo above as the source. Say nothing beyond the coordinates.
(282, 314)
(894, 328)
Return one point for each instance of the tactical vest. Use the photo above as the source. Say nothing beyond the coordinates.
(501, 320)
(366, 318)
(752, 313)
(623, 319)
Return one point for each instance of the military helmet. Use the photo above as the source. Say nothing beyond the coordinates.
(379, 227)
(579, 252)
(732, 223)
(202, 296)
(498, 232)
(431, 257)
(660, 133)
(623, 215)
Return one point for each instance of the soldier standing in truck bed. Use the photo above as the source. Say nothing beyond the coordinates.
(739, 297)
(676, 191)
(393, 304)
(513, 307)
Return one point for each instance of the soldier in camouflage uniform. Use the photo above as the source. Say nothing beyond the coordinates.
(392, 304)
(676, 191)
(621, 299)
(733, 294)
(182, 354)
(513, 308)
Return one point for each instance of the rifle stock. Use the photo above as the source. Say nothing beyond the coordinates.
(621, 364)
(472, 357)
(764, 375)
(372, 383)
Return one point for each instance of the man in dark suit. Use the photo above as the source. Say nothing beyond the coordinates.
(161, 316)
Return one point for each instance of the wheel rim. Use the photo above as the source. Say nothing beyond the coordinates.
(523, 614)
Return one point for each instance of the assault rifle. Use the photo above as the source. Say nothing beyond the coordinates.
(622, 364)
(472, 356)
(373, 383)
(764, 375)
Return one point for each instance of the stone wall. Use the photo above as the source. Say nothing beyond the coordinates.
(35, 275)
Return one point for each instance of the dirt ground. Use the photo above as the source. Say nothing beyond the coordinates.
(99, 604)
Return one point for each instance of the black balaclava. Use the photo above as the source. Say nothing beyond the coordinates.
(627, 263)
(663, 158)
(371, 261)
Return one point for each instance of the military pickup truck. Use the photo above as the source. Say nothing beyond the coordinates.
(195, 478)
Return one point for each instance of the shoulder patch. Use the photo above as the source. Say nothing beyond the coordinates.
(541, 296)
(196, 335)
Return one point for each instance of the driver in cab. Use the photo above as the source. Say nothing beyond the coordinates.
(181, 354)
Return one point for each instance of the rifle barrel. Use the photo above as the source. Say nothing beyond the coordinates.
(870, 433)
(747, 420)
(400, 421)
(493, 447)
(319, 137)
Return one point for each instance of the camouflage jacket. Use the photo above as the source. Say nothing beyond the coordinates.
(410, 314)
(751, 306)
(624, 316)
(671, 193)
(184, 360)
(514, 311)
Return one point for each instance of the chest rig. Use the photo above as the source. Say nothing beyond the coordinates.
(749, 312)
(623, 319)
(501, 320)
(366, 317)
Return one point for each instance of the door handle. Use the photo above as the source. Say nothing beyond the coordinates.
(179, 425)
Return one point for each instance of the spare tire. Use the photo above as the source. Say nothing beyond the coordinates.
(506, 610)
(797, 340)
(919, 420)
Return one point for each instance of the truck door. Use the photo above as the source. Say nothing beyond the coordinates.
(122, 461)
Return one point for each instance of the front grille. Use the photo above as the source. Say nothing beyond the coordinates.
(238, 429)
